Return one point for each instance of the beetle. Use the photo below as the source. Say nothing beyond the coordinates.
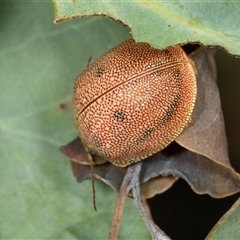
(134, 101)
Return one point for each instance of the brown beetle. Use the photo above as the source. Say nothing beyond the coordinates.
(134, 101)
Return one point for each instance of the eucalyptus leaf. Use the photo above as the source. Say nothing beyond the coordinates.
(165, 23)
(228, 226)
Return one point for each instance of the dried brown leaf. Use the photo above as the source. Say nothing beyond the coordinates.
(202, 159)
(110, 174)
(77, 153)
(206, 134)
(202, 174)
(157, 185)
(107, 173)
(203, 162)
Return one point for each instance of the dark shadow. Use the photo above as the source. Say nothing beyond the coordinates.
(182, 214)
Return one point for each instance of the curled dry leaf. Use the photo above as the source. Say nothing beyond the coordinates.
(157, 185)
(199, 155)
(203, 175)
(77, 153)
(107, 173)
(206, 165)
(206, 134)
(203, 162)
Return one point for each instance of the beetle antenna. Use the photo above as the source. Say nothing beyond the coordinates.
(93, 185)
(89, 61)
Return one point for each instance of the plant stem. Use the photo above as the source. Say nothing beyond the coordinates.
(126, 186)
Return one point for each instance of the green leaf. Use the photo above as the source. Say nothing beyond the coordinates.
(165, 23)
(228, 225)
(40, 197)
